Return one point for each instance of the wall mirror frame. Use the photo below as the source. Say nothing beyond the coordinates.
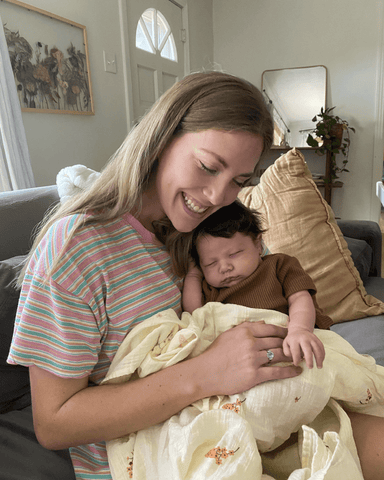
(295, 95)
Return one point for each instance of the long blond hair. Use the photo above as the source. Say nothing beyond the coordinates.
(199, 101)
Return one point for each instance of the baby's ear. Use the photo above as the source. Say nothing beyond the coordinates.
(258, 240)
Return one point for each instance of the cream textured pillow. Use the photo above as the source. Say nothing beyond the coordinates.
(301, 223)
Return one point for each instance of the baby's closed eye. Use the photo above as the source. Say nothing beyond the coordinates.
(210, 264)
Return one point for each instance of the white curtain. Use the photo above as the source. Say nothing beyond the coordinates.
(15, 164)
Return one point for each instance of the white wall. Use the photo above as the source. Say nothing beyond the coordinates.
(56, 140)
(251, 36)
(200, 24)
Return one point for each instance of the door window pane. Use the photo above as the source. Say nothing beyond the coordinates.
(153, 34)
(142, 41)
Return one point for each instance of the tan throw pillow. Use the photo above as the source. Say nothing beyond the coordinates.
(302, 224)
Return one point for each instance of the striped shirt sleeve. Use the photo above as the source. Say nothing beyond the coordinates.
(54, 328)
(57, 331)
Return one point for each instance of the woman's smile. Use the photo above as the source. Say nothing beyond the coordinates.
(193, 204)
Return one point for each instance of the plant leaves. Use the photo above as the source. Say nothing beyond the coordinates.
(311, 141)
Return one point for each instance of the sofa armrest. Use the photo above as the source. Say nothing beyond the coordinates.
(20, 212)
(370, 232)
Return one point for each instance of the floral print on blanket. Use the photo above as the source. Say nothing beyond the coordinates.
(220, 454)
(368, 399)
(130, 466)
(235, 407)
(163, 345)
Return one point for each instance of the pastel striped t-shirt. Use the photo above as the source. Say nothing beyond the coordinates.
(111, 276)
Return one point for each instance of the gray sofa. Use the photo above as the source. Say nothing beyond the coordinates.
(21, 457)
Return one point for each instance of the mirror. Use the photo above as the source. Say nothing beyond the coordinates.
(295, 96)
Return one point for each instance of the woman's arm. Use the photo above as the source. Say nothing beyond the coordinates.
(301, 341)
(192, 296)
(67, 412)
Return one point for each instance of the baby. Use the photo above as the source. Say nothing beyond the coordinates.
(227, 266)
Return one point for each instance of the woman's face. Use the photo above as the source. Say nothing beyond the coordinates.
(200, 172)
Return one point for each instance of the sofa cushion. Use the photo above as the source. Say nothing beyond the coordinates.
(21, 455)
(366, 334)
(20, 212)
(14, 379)
(357, 335)
(301, 223)
(374, 286)
(361, 254)
(370, 232)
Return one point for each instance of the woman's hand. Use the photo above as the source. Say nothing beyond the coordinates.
(237, 360)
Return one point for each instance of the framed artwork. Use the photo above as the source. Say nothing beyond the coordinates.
(49, 58)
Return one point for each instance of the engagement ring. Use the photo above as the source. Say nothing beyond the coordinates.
(270, 355)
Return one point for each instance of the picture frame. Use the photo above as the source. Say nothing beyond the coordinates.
(49, 58)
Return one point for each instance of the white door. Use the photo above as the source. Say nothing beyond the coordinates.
(155, 32)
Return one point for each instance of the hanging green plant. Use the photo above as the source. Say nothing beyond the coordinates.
(331, 135)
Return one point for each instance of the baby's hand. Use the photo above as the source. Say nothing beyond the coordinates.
(301, 343)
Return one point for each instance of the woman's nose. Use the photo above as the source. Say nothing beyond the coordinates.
(219, 193)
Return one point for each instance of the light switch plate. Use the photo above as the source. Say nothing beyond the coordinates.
(110, 62)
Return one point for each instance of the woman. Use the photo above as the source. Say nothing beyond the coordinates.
(96, 269)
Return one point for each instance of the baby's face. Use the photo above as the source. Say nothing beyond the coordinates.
(227, 261)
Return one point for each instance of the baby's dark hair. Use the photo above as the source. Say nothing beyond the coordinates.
(226, 222)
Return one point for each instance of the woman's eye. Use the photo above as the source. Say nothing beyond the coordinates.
(208, 170)
(239, 184)
(212, 171)
(242, 184)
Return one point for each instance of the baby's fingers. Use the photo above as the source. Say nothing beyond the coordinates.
(286, 349)
(308, 353)
(293, 350)
(319, 353)
(314, 349)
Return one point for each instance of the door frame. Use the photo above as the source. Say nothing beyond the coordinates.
(125, 46)
(378, 144)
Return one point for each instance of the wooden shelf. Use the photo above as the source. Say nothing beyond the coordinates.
(321, 184)
(276, 147)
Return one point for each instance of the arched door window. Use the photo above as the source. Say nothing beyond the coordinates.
(153, 34)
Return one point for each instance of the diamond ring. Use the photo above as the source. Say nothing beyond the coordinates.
(270, 355)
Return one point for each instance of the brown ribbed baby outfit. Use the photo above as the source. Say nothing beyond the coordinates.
(276, 278)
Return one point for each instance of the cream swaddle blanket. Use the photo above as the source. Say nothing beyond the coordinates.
(227, 437)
